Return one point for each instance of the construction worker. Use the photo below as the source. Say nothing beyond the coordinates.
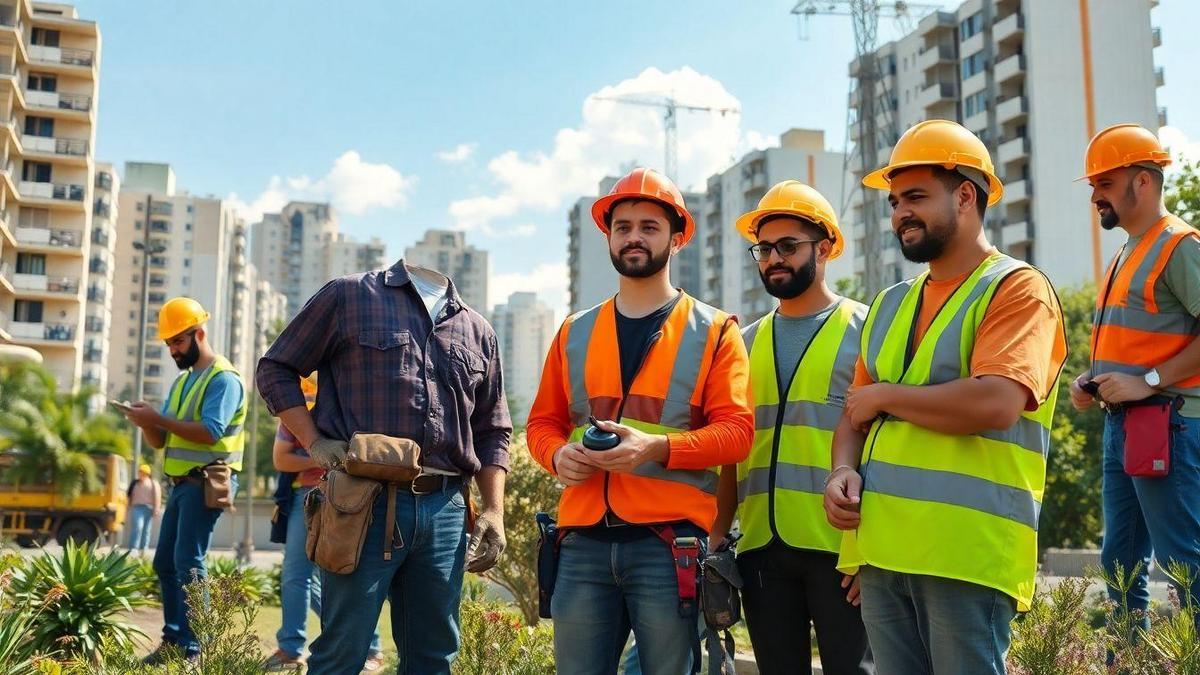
(145, 504)
(939, 463)
(667, 374)
(802, 357)
(200, 424)
(399, 354)
(1145, 348)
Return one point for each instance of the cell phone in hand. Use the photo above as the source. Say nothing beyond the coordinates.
(123, 406)
(1091, 387)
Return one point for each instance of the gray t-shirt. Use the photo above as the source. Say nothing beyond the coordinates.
(792, 337)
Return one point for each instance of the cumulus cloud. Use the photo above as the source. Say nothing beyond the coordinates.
(351, 185)
(458, 154)
(523, 230)
(609, 136)
(1182, 147)
(549, 280)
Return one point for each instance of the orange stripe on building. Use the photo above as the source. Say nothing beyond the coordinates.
(1090, 120)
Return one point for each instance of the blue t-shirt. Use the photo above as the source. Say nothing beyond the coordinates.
(222, 399)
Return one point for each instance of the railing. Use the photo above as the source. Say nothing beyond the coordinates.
(63, 191)
(102, 209)
(99, 237)
(96, 294)
(77, 57)
(98, 266)
(104, 180)
(93, 324)
(59, 331)
(59, 100)
(93, 355)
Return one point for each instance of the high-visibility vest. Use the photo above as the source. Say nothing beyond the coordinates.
(665, 396)
(782, 483)
(956, 506)
(182, 455)
(1131, 333)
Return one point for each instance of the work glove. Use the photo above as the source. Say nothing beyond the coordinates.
(327, 452)
(487, 542)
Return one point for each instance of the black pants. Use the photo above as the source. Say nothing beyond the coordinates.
(785, 590)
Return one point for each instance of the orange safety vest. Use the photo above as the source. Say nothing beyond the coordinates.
(1129, 332)
(666, 396)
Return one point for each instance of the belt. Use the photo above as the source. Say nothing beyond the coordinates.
(429, 483)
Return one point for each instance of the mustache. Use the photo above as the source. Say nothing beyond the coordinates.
(635, 247)
(911, 222)
(779, 268)
(1104, 205)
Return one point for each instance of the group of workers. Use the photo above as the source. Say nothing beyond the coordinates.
(880, 467)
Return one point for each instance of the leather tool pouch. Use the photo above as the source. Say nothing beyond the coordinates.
(338, 513)
(218, 492)
(383, 458)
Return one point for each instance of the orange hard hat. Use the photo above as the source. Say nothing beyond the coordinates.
(644, 184)
(1123, 145)
(939, 143)
(793, 198)
(178, 315)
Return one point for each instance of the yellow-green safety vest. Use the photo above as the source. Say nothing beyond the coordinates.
(782, 482)
(954, 506)
(182, 455)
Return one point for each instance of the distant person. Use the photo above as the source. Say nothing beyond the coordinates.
(145, 503)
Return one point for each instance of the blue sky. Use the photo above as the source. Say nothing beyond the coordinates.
(476, 115)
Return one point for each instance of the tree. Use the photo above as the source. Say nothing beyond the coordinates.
(1183, 192)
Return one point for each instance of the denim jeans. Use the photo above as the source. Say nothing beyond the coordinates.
(603, 590)
(1151, 515)
(300, 587)
(183, 540)
(925, 624)
(141, 518)
(423, 581)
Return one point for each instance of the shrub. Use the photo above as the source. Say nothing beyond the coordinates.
(18, 655)
(254, 583)
(495, 642)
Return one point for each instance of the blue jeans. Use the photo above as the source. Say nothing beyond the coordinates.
(924, 624)
(1151, 515)
(183, 540)
(141, 517)
(603, 590)
(423, 580)
(300, 588)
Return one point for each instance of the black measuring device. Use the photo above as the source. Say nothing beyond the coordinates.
(596, 438)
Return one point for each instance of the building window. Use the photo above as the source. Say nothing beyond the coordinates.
(35, 172)
(975, 103)
(42, 82)
(31, 263)
(973, 64)
(44, 37)
(971, 26)
(39, 126)
(27, 311)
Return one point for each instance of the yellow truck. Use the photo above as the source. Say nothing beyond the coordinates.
(33, 513)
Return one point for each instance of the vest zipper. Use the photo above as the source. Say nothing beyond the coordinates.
(625, 387)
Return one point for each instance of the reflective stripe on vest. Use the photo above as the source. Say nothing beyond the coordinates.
(1129, 332)
(686, 343)
(181, 455)
(961, 507)
(782, 482)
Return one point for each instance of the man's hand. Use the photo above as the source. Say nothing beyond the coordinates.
(327, 452)
(843, 495)
(1080, 399)
(635, 449)
(487, 542)
(1122, 387)
(852, 596)
(571, 464)
(143, 415)
(865, 403)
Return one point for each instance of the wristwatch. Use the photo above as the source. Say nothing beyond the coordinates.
(1153, 379)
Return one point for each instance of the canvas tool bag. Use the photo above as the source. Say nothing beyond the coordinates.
(337, 514)
(218, 490)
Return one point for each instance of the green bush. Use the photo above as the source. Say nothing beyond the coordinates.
(18, 654)
(495, 642)
(90, 593)
(252, 582)
(147, 580)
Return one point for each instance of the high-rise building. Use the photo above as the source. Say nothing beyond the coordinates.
(97, 323)
(592, 275)
(300, 249)
(50, 60)
(731, 280)
(195, 247)
(1034, 80)
(448, 252)
(524, 329)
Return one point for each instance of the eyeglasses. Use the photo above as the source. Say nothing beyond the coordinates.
(786, 247)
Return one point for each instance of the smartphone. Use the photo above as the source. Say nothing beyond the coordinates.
(1091, 387)
(123, 406)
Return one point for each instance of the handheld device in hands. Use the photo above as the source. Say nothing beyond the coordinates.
(596, 438)
(123, 406)
(1091, 387)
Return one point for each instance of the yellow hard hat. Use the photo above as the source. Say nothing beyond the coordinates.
(793, 198)
(1123, 145)
(144, 468)
(939, 143)
(178, 315)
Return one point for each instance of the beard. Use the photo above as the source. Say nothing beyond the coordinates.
(640, 269)
(932, 244)
(1111, 220)
(189, 358)
(795, 283)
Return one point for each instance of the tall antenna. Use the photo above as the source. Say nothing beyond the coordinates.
(670, 107)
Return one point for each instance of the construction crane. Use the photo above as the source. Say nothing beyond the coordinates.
(862, 116)
(670, 107)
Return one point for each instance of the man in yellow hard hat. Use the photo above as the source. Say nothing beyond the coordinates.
(802, 358)
(1145, 365)
(939, 464)
(199, 425)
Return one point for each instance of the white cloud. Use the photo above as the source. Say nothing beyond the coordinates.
(351, 185)
(610, 135)
(549, 280)
(524, 230)
(1182, 147)
(458, 154)
(755, 140)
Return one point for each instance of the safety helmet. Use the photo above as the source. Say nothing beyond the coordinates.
(178, 315)
(939, 143)
(793, 198)
(1123, 145)
(648, 184)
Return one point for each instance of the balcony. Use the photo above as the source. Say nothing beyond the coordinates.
(47, 145)
(62, 56)
(44, 285)
(1016, 234)
(96, 294)
(93, 324)
(53, 100)
(59, 333)
(100, 237)
(102, 209)
(64, 192)
(1156, 36)
(52, 241)
(1010, 68)
(104, 180)
(1010, 28)
(937, 21)
(1012, 109)
(93, 355)
(1162, 116)
(1159, 77)
(153, 371)
(97, 266)
(1012, 150)
(935, 56)
(1017, 192)
(936, 93)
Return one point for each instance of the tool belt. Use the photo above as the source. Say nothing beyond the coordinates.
(216, 480)
(720, 600)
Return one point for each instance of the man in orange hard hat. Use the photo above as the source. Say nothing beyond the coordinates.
(666, 374)
(939, 464)
(200, 424)
(1145, 364)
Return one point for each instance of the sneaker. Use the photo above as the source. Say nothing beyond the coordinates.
(281, 660)
(373, 663)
